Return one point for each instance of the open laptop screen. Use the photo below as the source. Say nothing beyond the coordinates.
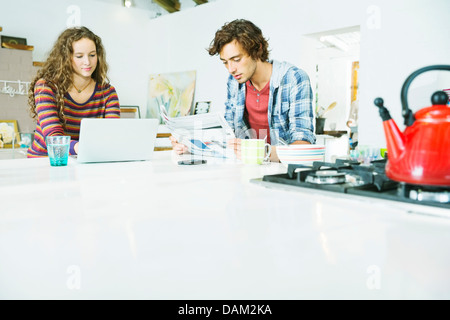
(106, 140)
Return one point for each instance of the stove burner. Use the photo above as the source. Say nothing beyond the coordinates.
(346, 176)
(420, 195)
(424, 193)
(326, 177)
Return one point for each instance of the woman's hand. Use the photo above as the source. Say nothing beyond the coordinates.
(179, 148)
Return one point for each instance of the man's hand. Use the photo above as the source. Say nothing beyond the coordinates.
(235, 144)
(274, 155)
(179, 148)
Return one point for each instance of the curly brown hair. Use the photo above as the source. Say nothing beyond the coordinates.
(58, 71)
(246, 33)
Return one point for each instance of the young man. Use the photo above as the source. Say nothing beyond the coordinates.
(265, 99)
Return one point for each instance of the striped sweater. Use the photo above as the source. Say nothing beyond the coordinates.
(103, 103)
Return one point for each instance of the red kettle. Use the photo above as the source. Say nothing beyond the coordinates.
(421, 154)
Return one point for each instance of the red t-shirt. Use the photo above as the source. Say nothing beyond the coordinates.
(256, 105)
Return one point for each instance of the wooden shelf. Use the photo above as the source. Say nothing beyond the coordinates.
(162, 148)
(169, 5)
(38, 64)
(336, 134)
(163, 135)
(126, 110)
(17, 46)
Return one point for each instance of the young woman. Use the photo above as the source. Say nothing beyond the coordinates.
(72, 85)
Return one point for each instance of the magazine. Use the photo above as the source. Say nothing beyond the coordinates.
(204, 134)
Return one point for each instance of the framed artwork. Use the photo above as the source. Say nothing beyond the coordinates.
(172, 91)
(202, 107)
(8, 133)
(13, 40)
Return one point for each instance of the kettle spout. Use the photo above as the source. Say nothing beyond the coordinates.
(395, 140)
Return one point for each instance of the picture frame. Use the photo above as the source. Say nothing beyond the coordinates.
(13, 40)
(202, 107)
(171, 94)
(130, 112)
(9, 132)
(26, 139)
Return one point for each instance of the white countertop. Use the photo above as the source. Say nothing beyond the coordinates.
(156, 230)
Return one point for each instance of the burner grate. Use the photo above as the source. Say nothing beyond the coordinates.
(362, 180)
(318, 165)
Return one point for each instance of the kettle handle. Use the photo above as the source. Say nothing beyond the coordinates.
(406, 112)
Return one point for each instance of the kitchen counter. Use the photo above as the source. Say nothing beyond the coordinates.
(157, 230)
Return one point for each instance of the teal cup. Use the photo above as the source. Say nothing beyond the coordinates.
(255, 151)
(58, 150)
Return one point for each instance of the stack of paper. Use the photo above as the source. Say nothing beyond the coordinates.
(205, 134)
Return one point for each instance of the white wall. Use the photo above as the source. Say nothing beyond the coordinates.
(412, 34)
(123, 32)
(397, 37)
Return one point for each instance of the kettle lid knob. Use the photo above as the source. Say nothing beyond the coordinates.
(439, 98)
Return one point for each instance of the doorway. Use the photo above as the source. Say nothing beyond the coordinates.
(335, 56)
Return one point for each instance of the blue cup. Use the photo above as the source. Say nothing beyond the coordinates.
(58, 150)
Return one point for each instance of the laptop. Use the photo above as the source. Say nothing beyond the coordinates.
(108, 140)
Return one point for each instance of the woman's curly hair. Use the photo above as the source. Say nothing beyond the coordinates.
(58, 71)
(247, 34)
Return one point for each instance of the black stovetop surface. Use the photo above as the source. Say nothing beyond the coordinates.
(372, 181)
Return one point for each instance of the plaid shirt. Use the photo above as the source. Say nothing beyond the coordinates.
(289, 112)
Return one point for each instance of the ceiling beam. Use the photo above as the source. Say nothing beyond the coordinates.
(169, 5)
(200, 1)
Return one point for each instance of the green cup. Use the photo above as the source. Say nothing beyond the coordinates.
(255, 151)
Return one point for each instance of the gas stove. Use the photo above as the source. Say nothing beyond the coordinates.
(350, 177)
